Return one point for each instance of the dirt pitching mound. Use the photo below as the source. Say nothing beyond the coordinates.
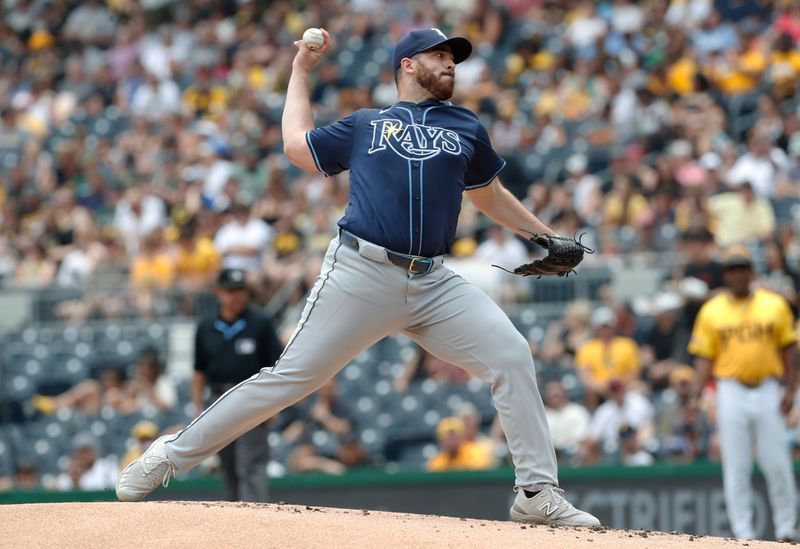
(175, 525)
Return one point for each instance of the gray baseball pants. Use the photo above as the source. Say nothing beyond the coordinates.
(355, 303)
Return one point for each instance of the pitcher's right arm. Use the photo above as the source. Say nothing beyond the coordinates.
(297, 119)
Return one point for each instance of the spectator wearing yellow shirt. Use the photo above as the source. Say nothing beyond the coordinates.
(605, 357)
(681, 75)
(784, 67)
(456, 453)
(470, 416)
(204, 97)
(197, 261)
(152, 268)
(738, 72)
(624, 205)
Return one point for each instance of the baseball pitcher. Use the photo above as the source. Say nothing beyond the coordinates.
(409, 163)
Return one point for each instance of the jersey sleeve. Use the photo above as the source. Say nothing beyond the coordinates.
(786, 333)
(485, 163)
(703, 342)
(332, 145)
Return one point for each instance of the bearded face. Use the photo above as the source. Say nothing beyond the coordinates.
(439, 82)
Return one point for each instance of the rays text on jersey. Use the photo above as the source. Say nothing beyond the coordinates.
(412, 141)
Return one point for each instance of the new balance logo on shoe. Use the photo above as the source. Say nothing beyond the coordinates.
(549, 507)
(546, 507)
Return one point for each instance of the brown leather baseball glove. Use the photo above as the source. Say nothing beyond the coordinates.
(563, 255)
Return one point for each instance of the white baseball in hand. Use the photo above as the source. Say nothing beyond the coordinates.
(313, 39)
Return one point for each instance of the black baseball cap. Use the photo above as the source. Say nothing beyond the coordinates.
(230, 279)
(737, 256)
(425, 39)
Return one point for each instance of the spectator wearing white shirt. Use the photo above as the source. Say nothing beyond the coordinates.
(761, 166)
(503, 249)
(87, 470)
(586, 28)
(631, 453)
(138, 215)
(586, 188)
(91, 22)
(79, 263)
(155, 52)
(623, 407)
(157, 98)
(568, 421)
(243, 240)
(688, 13)
(627, 17)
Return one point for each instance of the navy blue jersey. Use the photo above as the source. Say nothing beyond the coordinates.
(409, 165)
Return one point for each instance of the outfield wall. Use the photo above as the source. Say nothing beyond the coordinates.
(685, 498)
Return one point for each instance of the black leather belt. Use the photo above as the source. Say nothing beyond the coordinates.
(752, 384)
(414, 264)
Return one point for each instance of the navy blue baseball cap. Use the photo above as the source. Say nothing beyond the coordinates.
(425, 39)
(230, 279)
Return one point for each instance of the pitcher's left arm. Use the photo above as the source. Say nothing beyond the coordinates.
(502, 207)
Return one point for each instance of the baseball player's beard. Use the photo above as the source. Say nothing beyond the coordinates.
(439, 87)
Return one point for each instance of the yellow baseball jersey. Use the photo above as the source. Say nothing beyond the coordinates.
(744, 338)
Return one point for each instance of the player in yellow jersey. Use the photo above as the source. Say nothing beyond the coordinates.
(746, 339)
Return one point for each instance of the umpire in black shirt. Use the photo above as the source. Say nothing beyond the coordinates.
(229, 348)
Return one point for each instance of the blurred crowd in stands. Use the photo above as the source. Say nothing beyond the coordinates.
(140, 151)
